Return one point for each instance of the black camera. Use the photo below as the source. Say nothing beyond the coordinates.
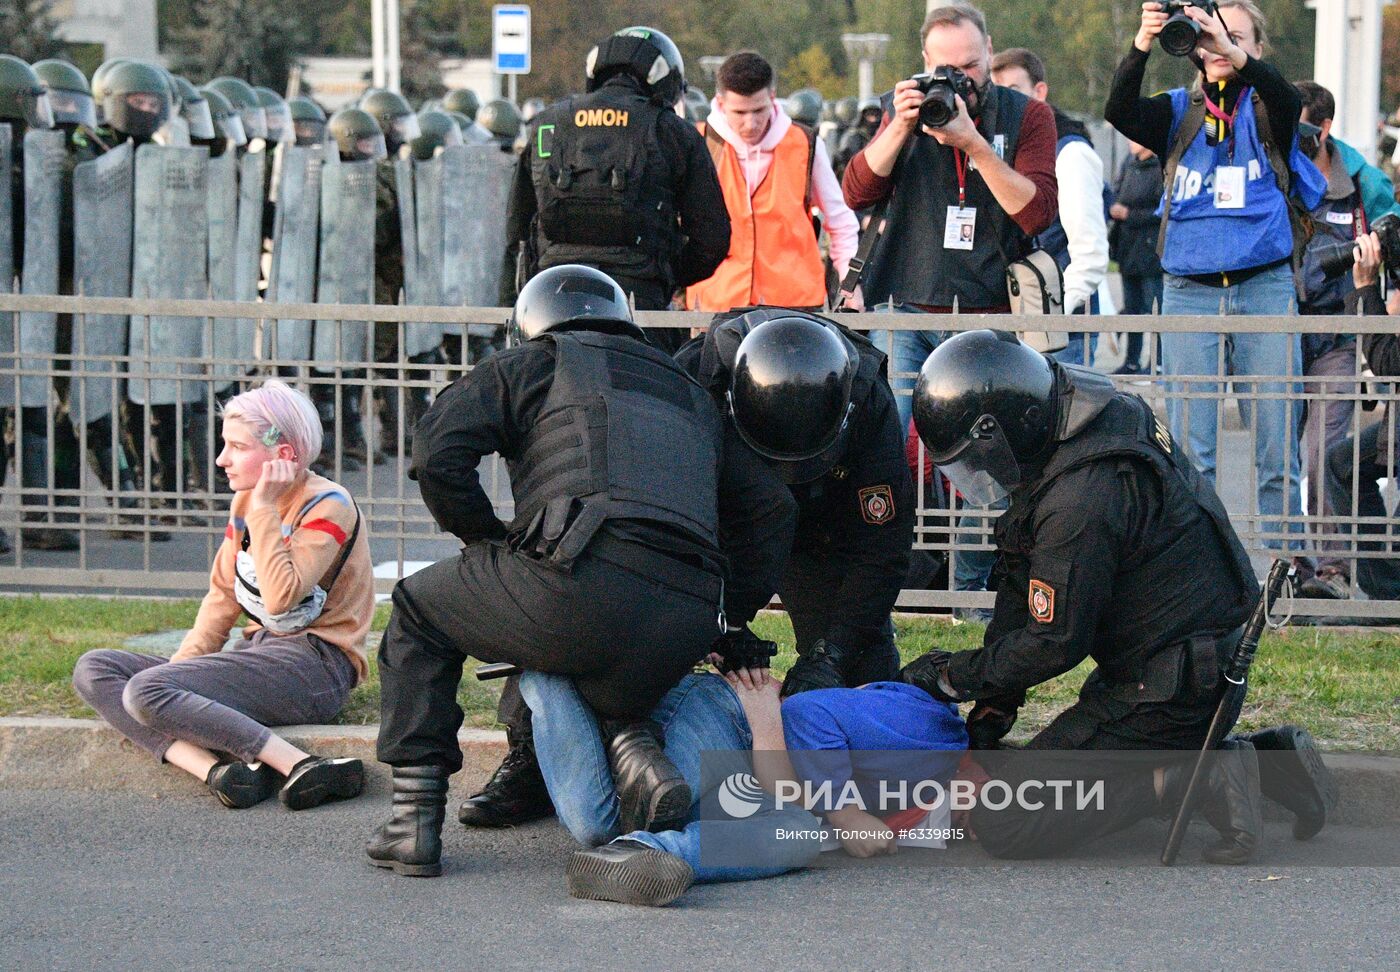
(940, 88)
(1180, 33)
(1337, 258)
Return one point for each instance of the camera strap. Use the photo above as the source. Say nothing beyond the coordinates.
(855, 270)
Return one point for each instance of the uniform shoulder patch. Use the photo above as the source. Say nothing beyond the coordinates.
(1160, 433)
(1042, 602)
(877, 504)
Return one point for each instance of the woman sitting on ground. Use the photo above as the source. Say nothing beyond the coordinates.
(295, 560)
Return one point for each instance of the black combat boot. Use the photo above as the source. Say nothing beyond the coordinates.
(516, 792)
(1230, 799)
(410, 841)
(106, 461)
(418, 399)
(629, 872)
(33, 459)
(651, 793)
(1291, 772)
(324, 398)
(320, 779)
(353, 442)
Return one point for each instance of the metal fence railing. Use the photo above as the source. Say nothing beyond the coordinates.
(117, 449)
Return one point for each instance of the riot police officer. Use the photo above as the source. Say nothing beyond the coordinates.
(811, 397)
(194, 108)
(463, 101)
(278, 116)
(617, 180)
(611, 575)
(228, 125)
(308, 121)
(244, 100)
(24, 104)
(1114, 549)
(501, 120)
(438, 131)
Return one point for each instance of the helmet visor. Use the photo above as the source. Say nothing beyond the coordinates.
(310, 131)
(371, 146)
(254, 122)
(197, 116)
(405, 128)
(279, 124)
(73, 108)
(232, 127)
(982, 467)
(38, 110)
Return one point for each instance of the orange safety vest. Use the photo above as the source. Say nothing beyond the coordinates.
(773, 256)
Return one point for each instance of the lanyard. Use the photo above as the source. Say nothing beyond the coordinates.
(1228, 120)
(960, 163)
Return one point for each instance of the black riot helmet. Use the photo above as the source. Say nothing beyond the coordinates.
(357, 135)
(805, 107)
(790, 393)
(23, 97)
(137, 100)
(645, 53)
(985, 407)
(69, 94)
(308, 120)
(396, 119)
(462, 100)
(571, 297)
(245, 101)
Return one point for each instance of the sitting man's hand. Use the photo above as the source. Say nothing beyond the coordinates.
(862, 834)
(821, 666)
(927, 671)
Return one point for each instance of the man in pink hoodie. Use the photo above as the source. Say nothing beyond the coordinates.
(773, 171)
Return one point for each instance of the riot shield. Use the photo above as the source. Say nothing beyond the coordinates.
(43, 206)
(292, 278)
(420, 192)
(346, 270)
(170, 259)
(476, 193)
(228, 346)
(102, 221)
(7, 265)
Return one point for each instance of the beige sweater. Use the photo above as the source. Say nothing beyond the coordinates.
(294, 547)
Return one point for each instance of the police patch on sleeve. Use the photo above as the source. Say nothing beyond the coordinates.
(1042, 602)
(876, 505)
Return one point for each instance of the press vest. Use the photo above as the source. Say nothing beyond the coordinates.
(623, 433)
(603, 186)
(1202, 239)
(773, 256)
(910, 263)
(1164, 593)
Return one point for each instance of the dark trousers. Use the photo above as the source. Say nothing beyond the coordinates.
(1376, 457)
(808, 591)
(627, 622)
(1104, 738)
(1141, 295)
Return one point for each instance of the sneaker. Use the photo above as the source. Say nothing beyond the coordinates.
(628, 872)
(242, 785)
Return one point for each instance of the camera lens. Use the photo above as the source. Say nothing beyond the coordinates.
(938, 107)
(1179, 35)
(1335, 259)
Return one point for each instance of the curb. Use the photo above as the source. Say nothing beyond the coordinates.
(84, 754)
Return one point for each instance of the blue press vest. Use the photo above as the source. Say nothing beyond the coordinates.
(1202, 239)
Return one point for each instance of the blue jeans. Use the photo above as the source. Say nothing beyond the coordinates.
(1080, 350)
(701, 714)
(908, 350)
(1193, 421)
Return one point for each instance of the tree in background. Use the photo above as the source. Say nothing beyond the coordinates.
(258, 40)
(27, 29)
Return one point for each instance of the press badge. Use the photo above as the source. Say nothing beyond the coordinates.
(960, 228)
(1229, 187)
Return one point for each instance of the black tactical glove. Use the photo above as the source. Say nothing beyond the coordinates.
(821, 666)
(987, 724)
(741, 648)
(925, 672)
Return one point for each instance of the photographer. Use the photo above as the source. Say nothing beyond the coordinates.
(1358, 194)
(1227, 238)
(1355, 465)
(989, 171)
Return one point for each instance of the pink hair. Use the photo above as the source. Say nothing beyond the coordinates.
(277, 413)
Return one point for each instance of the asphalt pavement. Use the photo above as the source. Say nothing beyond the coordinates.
(122, 880)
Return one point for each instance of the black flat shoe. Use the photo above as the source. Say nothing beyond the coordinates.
(319, 779)
(242, 785)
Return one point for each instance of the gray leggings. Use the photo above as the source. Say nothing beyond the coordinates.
(224, 701)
